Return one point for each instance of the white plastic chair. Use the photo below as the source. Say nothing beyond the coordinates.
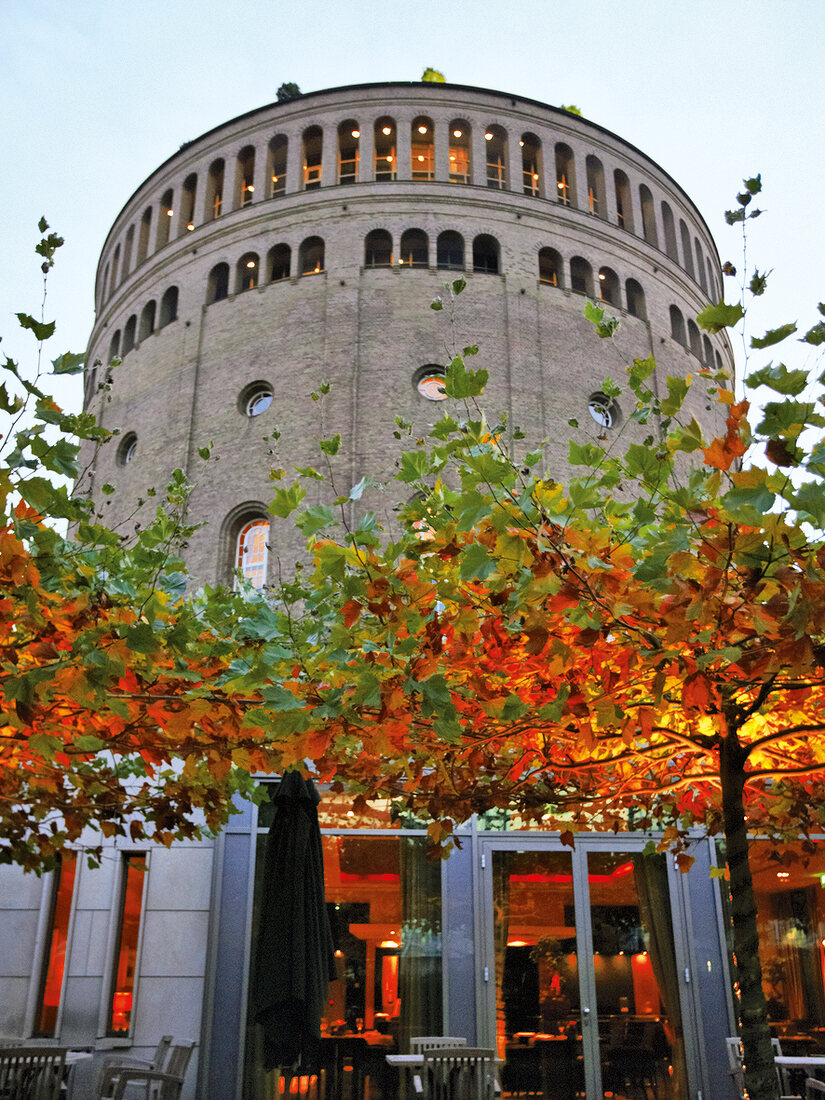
(419, 1043)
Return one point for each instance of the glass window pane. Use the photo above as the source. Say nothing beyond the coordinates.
(123, 986)
(55, 957)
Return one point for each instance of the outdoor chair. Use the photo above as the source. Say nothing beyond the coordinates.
(737, 1071)
(31, 1073)
(419, 1043)
(458, 1073)
(814, 1090)
(111, 1065)
(165, 1084)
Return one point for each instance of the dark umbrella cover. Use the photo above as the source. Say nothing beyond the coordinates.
(294, 955)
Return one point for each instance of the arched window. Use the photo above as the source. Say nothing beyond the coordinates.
(485, 254)
(496, 139)
(144, 235)
(115, 268)
(624, 201)
(461, 166)
(450, 251)
(581, 276)
(550, 267)
(694, 339)
(217, 288)
(165, 215)
(247, 272)
(565, 175)
(677, 326)
(635, 299)
(700, 265)
(104, 283)
(279, 262)
(129, 335)
(245, 177)
(214, 188)
(707, 351)
(127, 250)
(312, 144)
(114, 346)
(608, 286)
(648, 216)
(669, 228)
(186, 221)
(276, 166)
(718, 358)
(422, 149)
(348, 142)
(415, 248)
(687, 256)
(378, 249)
(168, 307)
(311, 256)
(385, 148)
(531, 169)
(147, 321)
(712, 291)
(252, 551)
(595, 187)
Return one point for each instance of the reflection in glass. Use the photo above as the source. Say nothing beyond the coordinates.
(131, 903)
(55, 960)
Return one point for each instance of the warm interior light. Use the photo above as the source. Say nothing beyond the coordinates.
(421, 158)
(190, 226)
(250, 187)
(422, 129)
(457, 133)
(783, 874)
(602, 275)
(488, 137)
(389, 158)
(250, 263)
(169, 212)
(560, 185)
(389, 943)
(452, 156)
(521, 143)
(387, 130)
(517, 943)
(356, 133)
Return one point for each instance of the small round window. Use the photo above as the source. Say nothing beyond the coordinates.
(127, 449)
(255, 399)
(604, 410)
(429, 382)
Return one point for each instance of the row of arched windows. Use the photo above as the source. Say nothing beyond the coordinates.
(696, 343)
(137, 329)
(380, 153)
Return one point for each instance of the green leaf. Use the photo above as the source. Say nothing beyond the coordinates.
(436, 303)
(748, 504)
(41, 329)
(69, 363)
(476, 563)
(676, 391)
(754, 185)
(414, 466)
(330, 446)
(287, 500)
(204, 452)
(595, 314)
(8, 404)
(815, 335)
(733, 216)
(281, 699)
(773, 336)
(459, 284)
(715, 318)
(107, 489)
(314, 519)
(309, 471)
(462, 383)
(87, 742)
(788, 418)
(779, 378)
(810, 499)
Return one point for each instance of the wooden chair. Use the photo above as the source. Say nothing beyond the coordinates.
(31, 1073)
(165, 1084)
(458, 1073)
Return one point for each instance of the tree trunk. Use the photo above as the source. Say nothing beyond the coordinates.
(761, 1079)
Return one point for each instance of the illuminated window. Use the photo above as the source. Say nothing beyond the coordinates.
(187, 204)
(277, 166)
(550, 267)
(450, 251)
(595, 187)
(253, 552)
(531, 164)
(348, 140)
(385, 151)
(565, 175)
(121, 1004)
(496, 139)
(245, 177)
(311, 256)
(214, 189)
(378, 249)
(247, 272)
(415, 248)
(422, 150)
(311, 158)
(460, 158)
(165, 215)
(608, 286)
(54, 962)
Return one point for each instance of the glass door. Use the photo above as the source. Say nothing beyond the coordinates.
(582, 999)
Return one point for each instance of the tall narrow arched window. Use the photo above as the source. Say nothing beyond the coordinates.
(312, 144)
(348, 143)
(461, 166)
(415, 248)
(608, 286)
(114, 346)
(252, 552)
(635, 299)
(449, 251)
(531, 168)
(581, 276)
(186, 217)
(677, 326)
(247, 272)
(129, 332)
(165, 215)
(104, 283)
(115, 270)
(565, 175)
(550, 267)
(624, 201)
(168, 307)
(496, 139)
(694, 339)
(385, 148)
(311, 256)
(214, 188)
(707, 351)
(276, 165)
(700, 265)
(245, 177)
(669, 228)
(718, 360)
(422, 149)
(687, 255)
(127, 250)
(712, 291)
(378, 249)
(147, 321)
(217, 287)
(279, 262)
(144, 235)
(486, 254)
(595, 187)
(648, 215)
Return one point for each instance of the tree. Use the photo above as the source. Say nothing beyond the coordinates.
(433, 76)
(288, 91)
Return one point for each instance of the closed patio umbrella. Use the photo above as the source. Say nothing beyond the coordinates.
(294, 958)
